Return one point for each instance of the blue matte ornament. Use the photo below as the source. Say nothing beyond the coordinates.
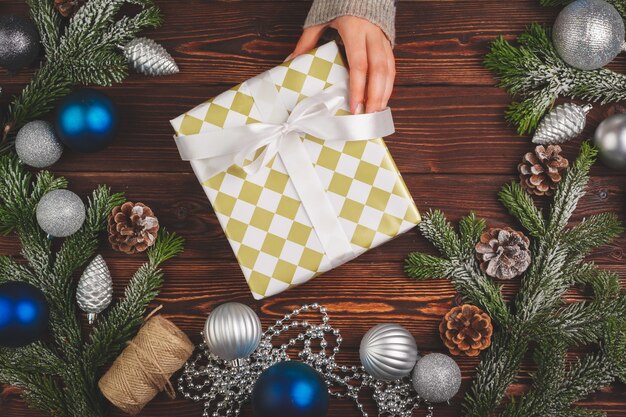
(24, 314)
(86, 120)
(290, 389)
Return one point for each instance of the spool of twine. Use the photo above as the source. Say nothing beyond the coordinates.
(145, 367)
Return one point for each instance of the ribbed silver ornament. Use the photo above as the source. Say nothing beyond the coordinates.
(232, 331)
(95, 288)
(563, 123)
(388, 352)
(149, 58)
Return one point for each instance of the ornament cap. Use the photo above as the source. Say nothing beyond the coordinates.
(91, 317)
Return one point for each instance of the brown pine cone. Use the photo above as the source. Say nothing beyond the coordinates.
(67, 8)
(132, 228)
(466, 330)
(503, 253)
(540, 171)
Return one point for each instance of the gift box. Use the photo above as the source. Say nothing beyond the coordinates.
(298, 184)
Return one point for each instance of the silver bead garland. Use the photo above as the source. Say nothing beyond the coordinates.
(224, 386)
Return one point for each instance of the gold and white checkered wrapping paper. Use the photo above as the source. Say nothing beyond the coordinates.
(261, 213)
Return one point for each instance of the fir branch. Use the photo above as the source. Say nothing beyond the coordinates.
(534, 72)
(48, 23)
(521, 205)
(595, 231)
(109, 335)
(421, 266)
(440, 233)
(470, 229)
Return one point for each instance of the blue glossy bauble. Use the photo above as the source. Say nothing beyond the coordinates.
(23, 314)
(290, 389)
(86, 120)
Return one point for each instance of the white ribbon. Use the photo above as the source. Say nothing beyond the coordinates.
(281, 133)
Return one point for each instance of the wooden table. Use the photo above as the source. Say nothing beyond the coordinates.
(452, 145)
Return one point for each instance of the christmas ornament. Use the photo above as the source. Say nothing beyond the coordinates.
(466, 330)
(36, 144)
(86, 120)
(95, 288)
(149, 58)
(132, 228)
(224, 386)
(290, 389)
(563, 123)
(436, 378)
(19, 42)
(60, 213)
(23, 314)
(67, 8)
(145, 366)
(503, 253)
(232, 331)
(588, 34)
(610, 139)
(540, 171)
(388, 352)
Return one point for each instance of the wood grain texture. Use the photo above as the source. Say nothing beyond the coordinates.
(452, 145)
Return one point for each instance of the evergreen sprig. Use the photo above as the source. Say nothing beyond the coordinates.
(538, 316)
(60, 376)
(87, 51)
(533, 72)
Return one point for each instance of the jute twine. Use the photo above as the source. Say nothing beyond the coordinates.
(145, 367)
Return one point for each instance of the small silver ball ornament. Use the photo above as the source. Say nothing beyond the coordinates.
(36, 144)
(436, 378)
(232, 331)
(60, 213)
(388, 352)
(610, 139)
(588, 34)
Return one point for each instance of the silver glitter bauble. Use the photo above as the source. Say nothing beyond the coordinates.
(563, 123)
(388, 352)
(149, 58)
(95, 288)
(232, 331)
(436, 378)
(588, 34)
(60, 213)
(19, 42)
(36, 144)
(610, 139)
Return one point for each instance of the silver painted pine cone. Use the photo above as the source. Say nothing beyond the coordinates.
(95, 288)
(563, 123)
(149, 58)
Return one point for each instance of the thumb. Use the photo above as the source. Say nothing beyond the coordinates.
(308, 40)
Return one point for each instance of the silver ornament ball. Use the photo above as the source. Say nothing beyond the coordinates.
(588, 34)
(60, 213)
(95, 288)
(388, 352)
(36, 144)
(232, 331)
(436, 378)
(610, 139)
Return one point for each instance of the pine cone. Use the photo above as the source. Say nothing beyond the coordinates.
(68, 8)
(132, 228)
(466, 330)
(503, 253)
(540, 171)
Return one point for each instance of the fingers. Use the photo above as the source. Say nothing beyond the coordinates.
(378, 70)
(391, 72)
(356, 51)
(307, 41)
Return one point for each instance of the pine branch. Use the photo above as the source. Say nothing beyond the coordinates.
(593, 232)
(534, 72)
(48, 23)
(522, 207)
(421, 266)
(470, 229)
(440, 233)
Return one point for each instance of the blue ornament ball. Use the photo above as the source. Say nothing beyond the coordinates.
(23, 314)
(290, 389)
(86, 120)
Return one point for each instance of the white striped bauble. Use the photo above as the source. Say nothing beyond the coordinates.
(232, 331)
(388, 352)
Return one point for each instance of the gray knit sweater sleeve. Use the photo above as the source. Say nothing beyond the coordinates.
(380, 12)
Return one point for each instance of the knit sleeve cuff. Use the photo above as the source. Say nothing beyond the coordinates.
(382, 13)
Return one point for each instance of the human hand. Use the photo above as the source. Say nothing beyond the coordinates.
(370, 60)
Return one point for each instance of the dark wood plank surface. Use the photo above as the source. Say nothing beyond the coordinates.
(452, 145)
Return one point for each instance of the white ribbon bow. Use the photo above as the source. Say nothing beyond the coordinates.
(281, 134)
